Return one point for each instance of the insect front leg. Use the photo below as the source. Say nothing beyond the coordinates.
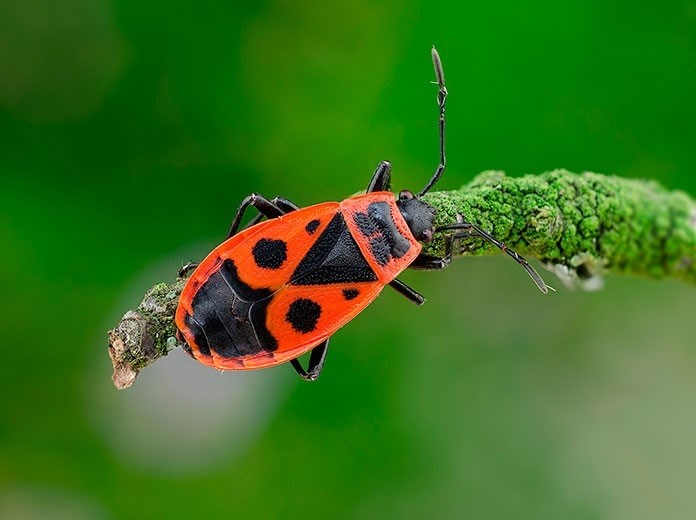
(469, 229)
(381, 179)
(438, 263)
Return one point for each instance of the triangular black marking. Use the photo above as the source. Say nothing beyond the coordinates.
(334, 258)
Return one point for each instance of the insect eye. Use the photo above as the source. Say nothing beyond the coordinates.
(405, 195)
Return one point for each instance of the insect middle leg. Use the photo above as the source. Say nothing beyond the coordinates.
(409, 293)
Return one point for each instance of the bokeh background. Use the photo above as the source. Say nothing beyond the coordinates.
(129, 132)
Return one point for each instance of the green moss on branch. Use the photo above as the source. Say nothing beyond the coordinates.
(580, 226)
(145, 334)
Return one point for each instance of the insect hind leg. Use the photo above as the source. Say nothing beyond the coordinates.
(187, 269)
(316, 363)
(267, 208)
(283, 204)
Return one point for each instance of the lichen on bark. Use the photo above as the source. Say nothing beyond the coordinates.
(580, 226)
(144, 334)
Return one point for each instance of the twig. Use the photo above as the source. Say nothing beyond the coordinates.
(145, 334)
(578, 226)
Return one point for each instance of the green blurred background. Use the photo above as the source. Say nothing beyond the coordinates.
(129, 132)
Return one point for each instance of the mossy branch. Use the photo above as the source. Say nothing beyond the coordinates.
(145, 334)
(578, 226)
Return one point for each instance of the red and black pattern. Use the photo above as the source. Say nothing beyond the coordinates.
(285, 304)
(282, 287)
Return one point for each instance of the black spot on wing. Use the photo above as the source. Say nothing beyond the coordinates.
(334, 258)
(312, 226)
(350, 294)
(303, 315)
(270, 254)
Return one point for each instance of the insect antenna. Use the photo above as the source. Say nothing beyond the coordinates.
(441, 98)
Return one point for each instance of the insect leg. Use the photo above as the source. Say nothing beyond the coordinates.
(187, 269)
(381, 179)
(436, 263)
(431, 263)
(473, 230)
(283, 204)
(406, 291)
(268, 208)
(316, 363)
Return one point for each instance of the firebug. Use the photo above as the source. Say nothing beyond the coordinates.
(279, 288)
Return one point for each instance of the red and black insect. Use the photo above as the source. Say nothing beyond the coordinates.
(282, 287)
